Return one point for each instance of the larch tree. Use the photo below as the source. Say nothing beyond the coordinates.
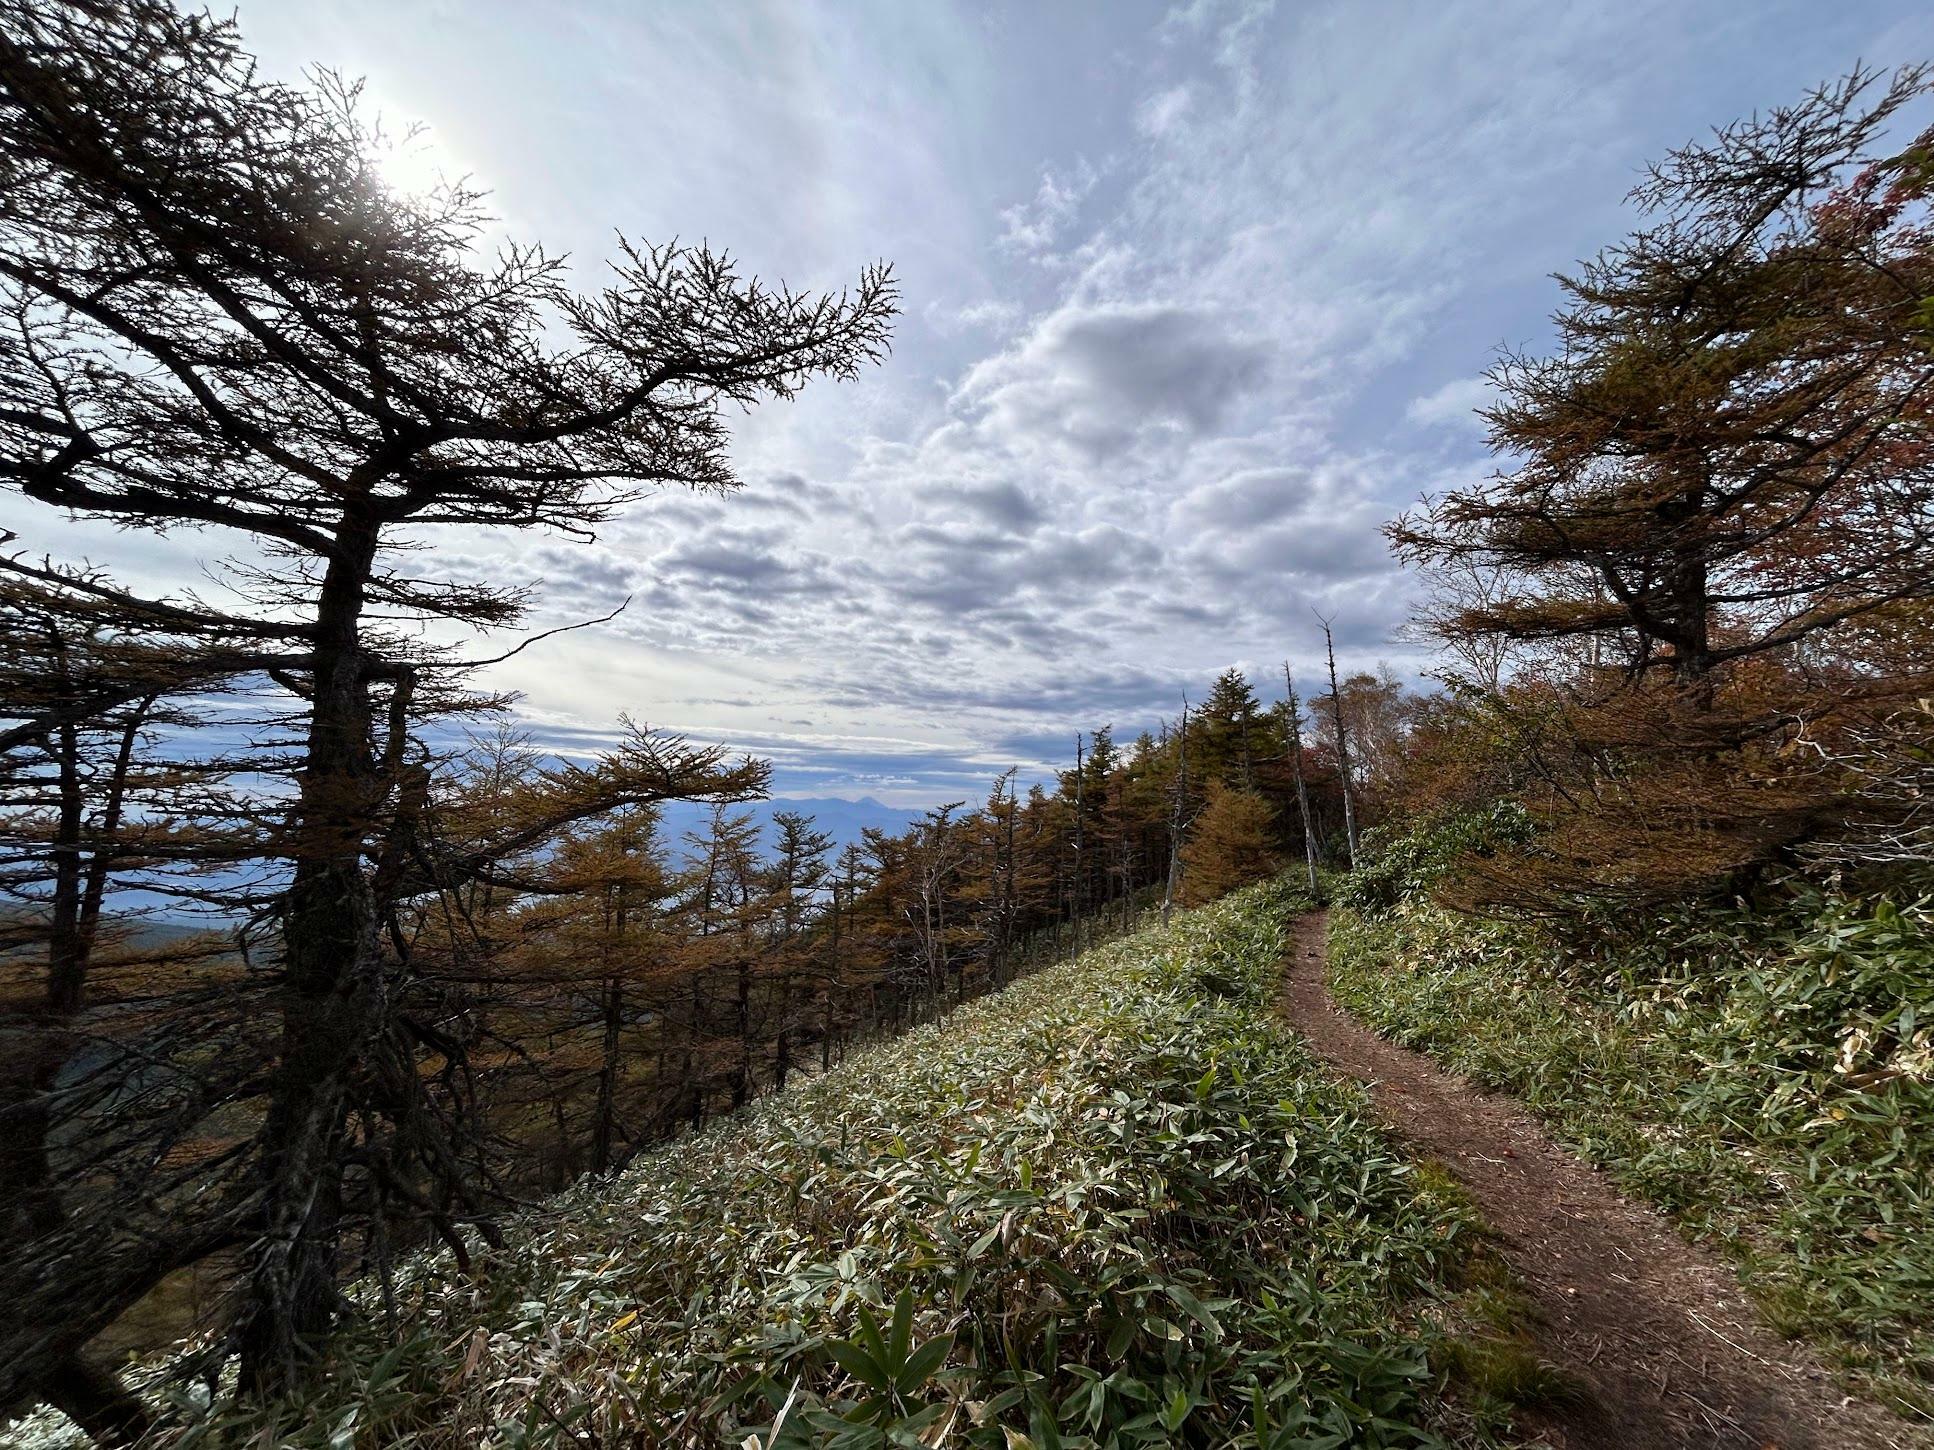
(848, 879)
(1728, 450)
(1000, 877)
(1232, 845)
(794, 881)
(722, 907)
(1720, 504)
(216, 316)
(77, 984)
(596, 905)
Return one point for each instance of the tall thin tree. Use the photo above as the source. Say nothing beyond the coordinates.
(1293, 738)
(1178, 813)
(1342, 744)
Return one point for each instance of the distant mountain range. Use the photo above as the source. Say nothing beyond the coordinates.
(843, 820)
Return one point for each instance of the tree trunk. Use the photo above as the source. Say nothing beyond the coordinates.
(31, 1208)
(1692, 612)
(832, 990)
(604, 1132)
(1176, 812)
(334, 1005)
(742, 1026)
(1295, 742)
(782, 1035)
(1342, 749)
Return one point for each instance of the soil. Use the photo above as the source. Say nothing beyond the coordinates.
(1655, 1334)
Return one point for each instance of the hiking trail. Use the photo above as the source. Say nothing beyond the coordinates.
(1656, 1334)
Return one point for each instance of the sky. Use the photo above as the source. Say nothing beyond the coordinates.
(1195, 298)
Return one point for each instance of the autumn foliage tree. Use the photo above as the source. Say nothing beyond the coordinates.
(1232, 845)
(1719, 508)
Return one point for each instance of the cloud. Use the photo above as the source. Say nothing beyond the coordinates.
(1310, 530)
(1033, 227)
(1004, 505)
(1454, 405)
(1095, 377)
(1181, 303)
(994, 314)
(1162, 112)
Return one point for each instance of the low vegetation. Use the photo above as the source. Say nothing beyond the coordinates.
(1765, 1076)
(1113, 1205)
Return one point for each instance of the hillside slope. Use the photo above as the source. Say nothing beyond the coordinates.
(1764, 1079)
(1116, 1204)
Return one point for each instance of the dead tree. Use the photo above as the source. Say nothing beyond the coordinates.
(1178, 818)
(1293, 740)
(1342, 745)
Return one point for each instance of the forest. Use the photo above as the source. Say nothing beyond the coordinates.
(372, 1073)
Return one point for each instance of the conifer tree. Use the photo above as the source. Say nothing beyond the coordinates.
(1720, 508)
(793, 881)
(1232, 844)
(845, 964)
(1728, 452)
(1227, 731)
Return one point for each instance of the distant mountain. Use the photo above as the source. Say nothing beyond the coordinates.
(843, 820)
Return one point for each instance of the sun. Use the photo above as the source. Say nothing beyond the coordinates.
(413, 164)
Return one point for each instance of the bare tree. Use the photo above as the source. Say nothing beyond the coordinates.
(1178, 817)
(1293, 740)
(1342, 744)
(1459, 590)
(1077, 892)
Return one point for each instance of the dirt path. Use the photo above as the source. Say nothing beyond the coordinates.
(1658, 1335)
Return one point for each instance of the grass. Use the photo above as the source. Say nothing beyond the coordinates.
(1766, 1082)
(1115, 1205)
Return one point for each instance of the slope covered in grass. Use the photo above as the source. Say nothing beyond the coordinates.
(1770, 1082)
(1115, 1204)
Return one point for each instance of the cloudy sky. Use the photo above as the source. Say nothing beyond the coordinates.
(1195, 297)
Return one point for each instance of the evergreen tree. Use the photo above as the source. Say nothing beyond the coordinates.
(1227, 728)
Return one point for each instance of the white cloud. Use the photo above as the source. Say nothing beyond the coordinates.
(1151, 399)
(1454, 405)
(1034, 227)
(1162, 112)
(1099, 377)
(993, 314)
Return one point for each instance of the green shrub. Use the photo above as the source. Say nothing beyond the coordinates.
(1395, 864)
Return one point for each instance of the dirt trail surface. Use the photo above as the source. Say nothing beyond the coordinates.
(1657, 1334)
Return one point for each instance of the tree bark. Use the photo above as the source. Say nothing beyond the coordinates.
(333, 998)
(1342, 749)
(1176, 812)
(1295, 733)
